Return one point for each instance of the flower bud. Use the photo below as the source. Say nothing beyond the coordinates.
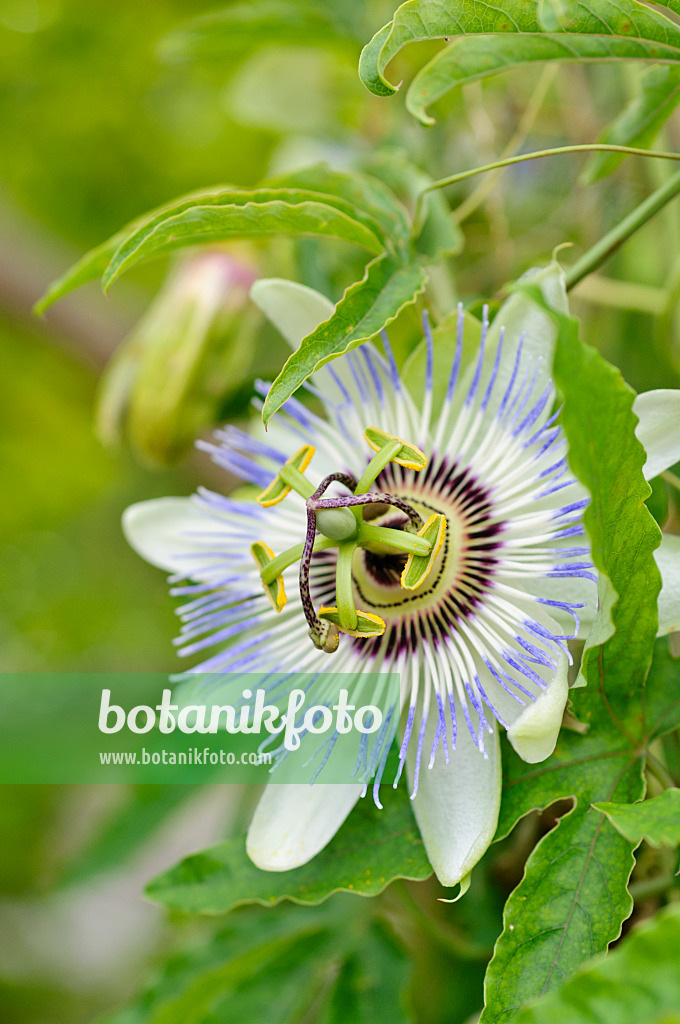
(172, 374)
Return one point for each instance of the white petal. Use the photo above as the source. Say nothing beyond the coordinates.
(570, 590)
(534, 728)
(293, 822)
(457, 804)
(163, 531)
(534, 733)
(294, 309)
(668, 560)
(658, 429)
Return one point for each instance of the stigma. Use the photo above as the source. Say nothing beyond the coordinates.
(343, 522)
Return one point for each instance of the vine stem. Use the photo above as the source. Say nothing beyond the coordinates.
(591, 147)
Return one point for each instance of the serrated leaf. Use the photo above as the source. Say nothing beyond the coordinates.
(658, 94)
(364, 194)
(234, 214)
(365, 309)
(475, 57)
(657, 820)
(371, 849)
(638, 982)
(499, 37)
(573, 898)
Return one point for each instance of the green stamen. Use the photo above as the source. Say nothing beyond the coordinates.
(290, 475)
(289, 557)
(341, 525)
(377, 464)
(399, 540)
(296, 480)
(343, 586)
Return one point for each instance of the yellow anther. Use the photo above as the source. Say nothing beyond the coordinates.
(418, 567)
(407, 455)
(367, 624)
(289, 477)
(275, 591)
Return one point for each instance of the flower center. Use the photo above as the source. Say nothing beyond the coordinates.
(401, 545)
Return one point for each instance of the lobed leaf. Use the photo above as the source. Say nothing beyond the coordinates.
(365, 309)
(440, 235)
(657, 820)
(365, 194)
(479, 56)
(371, 849)
(281, 968)
(235, 214)
(639, 981)
(602, 30)
(573, 897)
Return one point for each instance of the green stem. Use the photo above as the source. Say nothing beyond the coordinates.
(376, 466)
(396, 539)
(343, 585)
(453, 179)
(603, 249)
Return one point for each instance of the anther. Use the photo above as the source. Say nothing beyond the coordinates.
(290, 477)
(418, 567)
(388, 449)
(275, 589)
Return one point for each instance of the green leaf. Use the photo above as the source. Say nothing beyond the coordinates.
(475, 57)
(246, 26)
(235, 214)
(366, 307)
(364, 193)
(638, 982)
(656, 820)
(573, 898)
(94, 263)
(658, 94)
(602, 31)
(371, 849)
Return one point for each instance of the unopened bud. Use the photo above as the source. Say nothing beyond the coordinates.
(170, 377)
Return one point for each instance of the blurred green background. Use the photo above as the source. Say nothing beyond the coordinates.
(99, 124)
